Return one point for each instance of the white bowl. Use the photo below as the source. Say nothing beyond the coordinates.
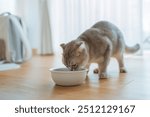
(65, 77)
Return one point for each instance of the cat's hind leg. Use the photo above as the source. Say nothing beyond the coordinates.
(120, 60)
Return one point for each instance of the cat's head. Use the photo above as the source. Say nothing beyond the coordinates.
(74, 55)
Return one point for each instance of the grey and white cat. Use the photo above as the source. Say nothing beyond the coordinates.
(97, 45)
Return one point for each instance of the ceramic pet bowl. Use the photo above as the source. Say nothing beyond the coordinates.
(65, 77)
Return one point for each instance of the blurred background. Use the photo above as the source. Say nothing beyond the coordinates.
(51, 22)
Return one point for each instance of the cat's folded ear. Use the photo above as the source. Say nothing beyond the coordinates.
(79, 43)
(63, 45)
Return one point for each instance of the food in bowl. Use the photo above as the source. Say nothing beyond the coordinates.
(65, 77)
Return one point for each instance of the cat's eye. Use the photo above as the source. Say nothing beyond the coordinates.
(78, 54)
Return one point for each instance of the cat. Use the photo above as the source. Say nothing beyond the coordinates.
(97, 45)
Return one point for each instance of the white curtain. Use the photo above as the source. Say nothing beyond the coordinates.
(7, 6)
(36, 15)
(45, 45)
(28, 10)
(69, 18)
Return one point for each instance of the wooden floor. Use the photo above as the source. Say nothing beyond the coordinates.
(33, 81)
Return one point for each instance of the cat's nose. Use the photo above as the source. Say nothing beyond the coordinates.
(74, 66)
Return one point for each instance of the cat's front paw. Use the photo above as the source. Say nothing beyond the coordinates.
(102, 75)
(95, 71)
(123, 70)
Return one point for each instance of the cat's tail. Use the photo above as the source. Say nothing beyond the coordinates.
(133, 49)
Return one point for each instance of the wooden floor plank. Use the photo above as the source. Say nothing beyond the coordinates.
(33, 81)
